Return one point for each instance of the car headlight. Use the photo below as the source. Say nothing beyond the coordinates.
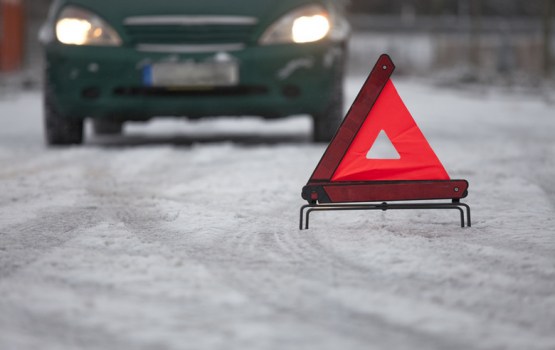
(76, 26)
(303, 25)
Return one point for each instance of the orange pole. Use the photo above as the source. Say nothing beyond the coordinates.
(11, 35)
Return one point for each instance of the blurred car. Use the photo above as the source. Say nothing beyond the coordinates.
(117, 61)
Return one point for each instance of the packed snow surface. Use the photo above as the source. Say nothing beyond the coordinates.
(184, 235)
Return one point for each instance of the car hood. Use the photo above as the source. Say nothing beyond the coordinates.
(116, 11)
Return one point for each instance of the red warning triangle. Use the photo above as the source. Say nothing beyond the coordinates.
(378, 107)
(417, 159)
(349, 172)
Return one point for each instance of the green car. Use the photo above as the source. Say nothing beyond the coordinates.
(131, 60)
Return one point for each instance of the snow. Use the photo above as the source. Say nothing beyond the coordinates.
(184, 235)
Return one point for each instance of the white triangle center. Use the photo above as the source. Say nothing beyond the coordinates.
(382, 148)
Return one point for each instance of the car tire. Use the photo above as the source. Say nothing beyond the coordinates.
(326, 123)
(107, 127)
(60, 129)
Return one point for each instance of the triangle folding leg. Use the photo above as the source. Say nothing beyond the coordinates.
(346, 178)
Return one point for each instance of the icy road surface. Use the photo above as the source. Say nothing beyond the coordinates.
(184, 235)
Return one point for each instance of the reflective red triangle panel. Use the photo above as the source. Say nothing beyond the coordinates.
(417, 159)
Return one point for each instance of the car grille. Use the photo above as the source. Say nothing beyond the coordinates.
(242, 90)
(194, 34)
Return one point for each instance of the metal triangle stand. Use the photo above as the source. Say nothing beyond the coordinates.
(305, 211)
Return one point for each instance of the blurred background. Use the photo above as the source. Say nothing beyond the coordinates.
(508, 42)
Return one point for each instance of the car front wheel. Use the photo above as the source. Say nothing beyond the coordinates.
(326, 123)
(60, 129)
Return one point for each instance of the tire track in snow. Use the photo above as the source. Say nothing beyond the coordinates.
(32, 226)
(239, 251)
(298, 291)
(226, 249)
(231, 249)
(22, 244)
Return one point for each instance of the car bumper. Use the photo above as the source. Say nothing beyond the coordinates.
(274, 81)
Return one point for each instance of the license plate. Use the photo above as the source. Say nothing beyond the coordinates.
(190, 74)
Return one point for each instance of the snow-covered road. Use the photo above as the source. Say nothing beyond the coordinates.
(183, 235)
